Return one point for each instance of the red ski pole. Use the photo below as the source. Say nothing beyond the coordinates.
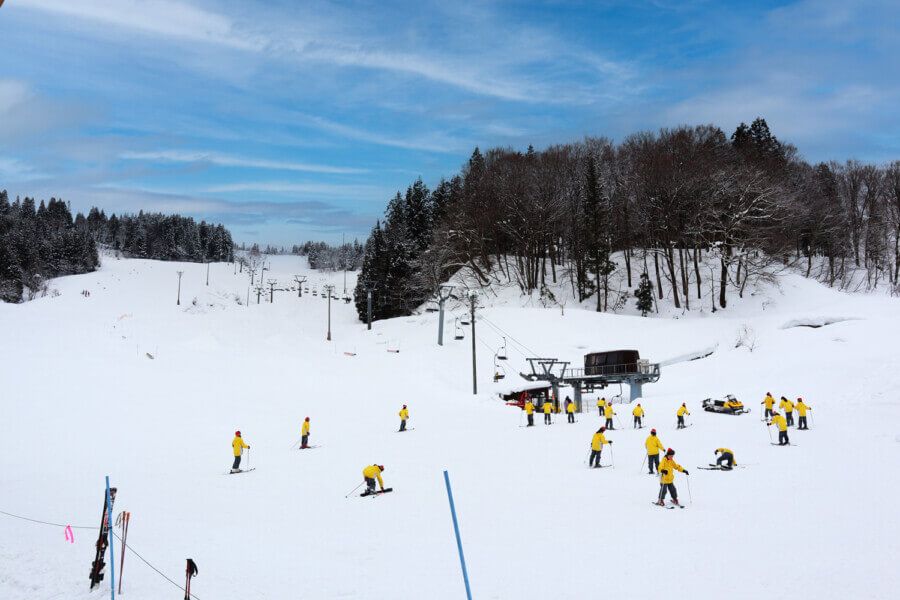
(122, 521)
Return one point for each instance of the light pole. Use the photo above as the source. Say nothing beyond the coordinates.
(300, 281)
(207, 272)
(328, 290)
(369, 289)
(473, 296)
(178, 302)
(444, 292)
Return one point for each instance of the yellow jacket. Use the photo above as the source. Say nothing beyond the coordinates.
(238, 444)
(548, 407)
(529, 408)
(780, 421)
(653, 445)
(597, 441)
(669, 466)
(601, 402)
(638, 411)
(682, 411)
(787, 405)
(724, 450)
(373, 472)
(570, 407)
(802, 408)
(404, 414)
(608, 411)
(305, 429)
(769, 402)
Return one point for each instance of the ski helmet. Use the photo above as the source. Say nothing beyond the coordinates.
(381, 467)
(307, 418)
(602, 429)
(670, 452)
(238, 433)
(653, 432)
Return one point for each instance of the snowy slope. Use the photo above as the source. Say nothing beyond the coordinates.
(81, 399)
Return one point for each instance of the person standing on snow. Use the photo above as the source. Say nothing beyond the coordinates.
(802, 407)
(682, 410)
(601, 405)
(638, 414)
(654, 447)
(570, 410)
(370, 474)
(304, 434)
(727, 456)
(238, 445)
(404, 415)
(597, 447)
(609, 413)
(547, 407)
(529, 412)
(667, 469)
(769, 402)
(782, 425)
(788, 408)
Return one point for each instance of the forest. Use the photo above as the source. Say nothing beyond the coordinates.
(659, 204)
(41, 241)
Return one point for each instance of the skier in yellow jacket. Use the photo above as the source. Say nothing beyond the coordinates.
(801, 407)
(682, 411)
(654, 446)
(601, 405)
(769, 403)
(609, 413)
(370, 474)
(638, 414)
(304, 434)
(570, 410)
(529, 412)
(237, 445)
(788, 408)
(667, 469)
(782, 425)
(548, 408)
(404, 415)
(727, 456)
(597, 447)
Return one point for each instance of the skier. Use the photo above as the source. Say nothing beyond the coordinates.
(638, 414)
(597, 447)
(667, 478)
(529, 411)
(404, 415)
(601, 404)
(782, 425)
(769, 402)
(682, 410)
(238, 445)
(788, 407)
(802, 407)
(304, 434)
(727, 456)
(370, 474)
(608, 412)
(547, 407)
(570, 410)
(653, 446)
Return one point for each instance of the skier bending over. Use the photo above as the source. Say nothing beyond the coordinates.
(802, 407)
(782, 425)
(570, 410)
(238, 445)
(404, 415)
(682, 410)
(609, 413)
(597, 447)
(304, 434)
(667, 469)
(370, 474)
(638, 414)
(529, 412)
(727, 456)
(654, 447)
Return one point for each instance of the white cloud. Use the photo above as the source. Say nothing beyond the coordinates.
(345, 191)
(224, 160)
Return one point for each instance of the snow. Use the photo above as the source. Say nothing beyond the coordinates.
(81, 399)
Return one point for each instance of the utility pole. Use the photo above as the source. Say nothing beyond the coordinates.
(207, 272)
(369, 289)
(271, 283)
(180, 273)
(473, 296)
(300, 281)
(328, 290)
(444, 292)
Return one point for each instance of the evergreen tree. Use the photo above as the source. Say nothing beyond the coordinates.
(644, 295)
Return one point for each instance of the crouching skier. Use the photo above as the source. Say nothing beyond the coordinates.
(597, 447)
(370, 474)
(727, 456)
(782, 425)
(667, 469)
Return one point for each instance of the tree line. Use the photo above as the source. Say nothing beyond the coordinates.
(664, 204)
(42, 240)
(325, 257)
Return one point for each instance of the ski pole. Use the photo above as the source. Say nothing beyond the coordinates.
(618, 421)
(248, 459)
(642, 462)
(690, 498)
(612, 460)
(294, 444)
(769, 429)
(354, 489)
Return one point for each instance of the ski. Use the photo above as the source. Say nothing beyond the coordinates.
(376, 493)
(239, 471)
(405, 430)
(685, 427)
(663, 506)
(307, 448)
(788, 444)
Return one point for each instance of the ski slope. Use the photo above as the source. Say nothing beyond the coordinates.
(81, 399)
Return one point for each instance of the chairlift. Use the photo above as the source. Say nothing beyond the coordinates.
(459, 331)
(464, 321)
(501, 353)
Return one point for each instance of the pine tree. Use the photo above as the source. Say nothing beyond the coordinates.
(644, 295)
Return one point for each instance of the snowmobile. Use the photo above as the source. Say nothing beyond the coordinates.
(728, 405)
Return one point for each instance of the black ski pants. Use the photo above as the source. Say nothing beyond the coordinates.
(667, 487)
(304, 441)
(237, 463)
(783, 438)
(547, 420)
(402, 424)
(789, 417)
(609, 423)
(571, 417)
(681, 422)
(600, 410)
(637, 422)
(768, 413)
(531, 420)
(801, 423)
(726, 457)
(653, 463)
(595, 456)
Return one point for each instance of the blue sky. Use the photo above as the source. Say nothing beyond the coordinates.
(298, 120)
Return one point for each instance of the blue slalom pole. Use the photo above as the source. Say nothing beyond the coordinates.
(462, 558)
(112, 558)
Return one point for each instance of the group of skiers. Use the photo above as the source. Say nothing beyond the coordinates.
(773, 417)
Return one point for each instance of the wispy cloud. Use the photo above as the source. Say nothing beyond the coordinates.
(351, 191)
(224, 160)
(435, 143)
